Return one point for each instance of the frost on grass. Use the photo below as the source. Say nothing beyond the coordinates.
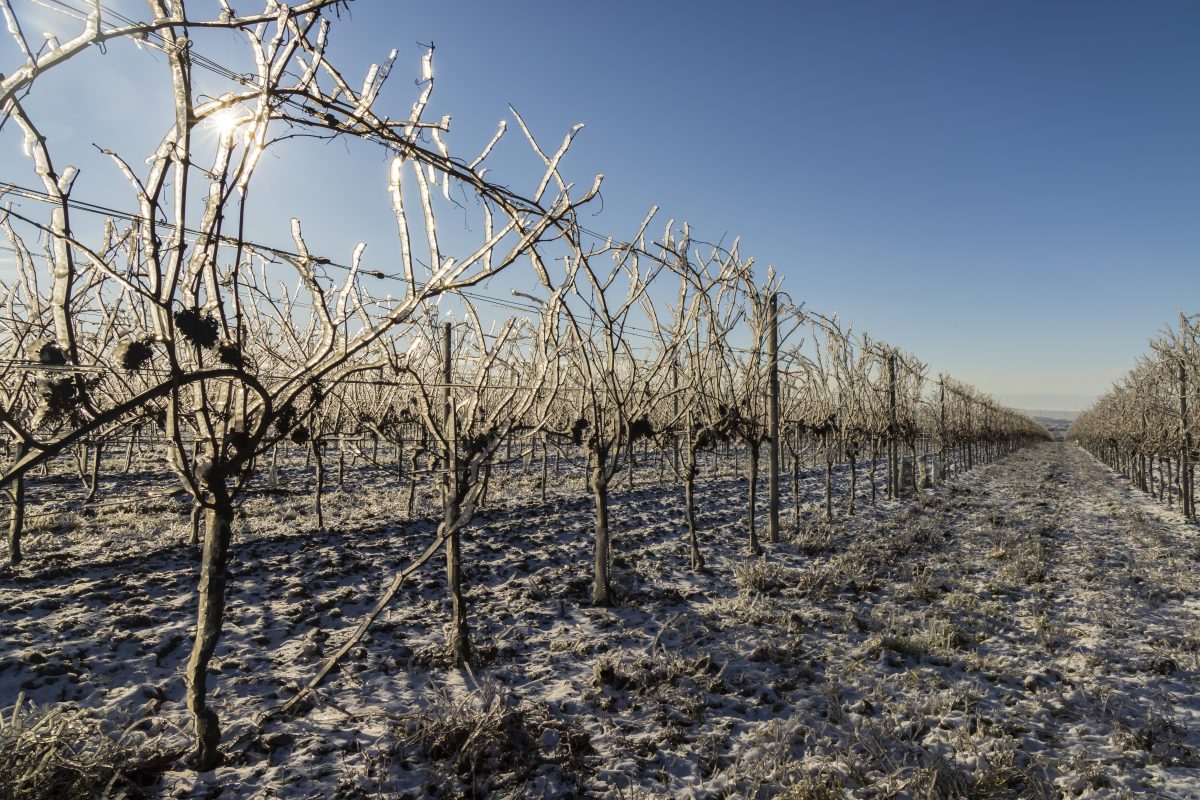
(64, 752)
(760, 576)
(488, 743)
(1020, 635)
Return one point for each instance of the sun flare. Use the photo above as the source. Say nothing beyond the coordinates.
(225, 121)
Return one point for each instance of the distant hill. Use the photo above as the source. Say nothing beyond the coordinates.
(1040, 415)
(1057, 426)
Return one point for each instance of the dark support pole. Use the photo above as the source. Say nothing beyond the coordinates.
(942, 454)
(893, 448)
(459, 640)
(1185, 467)
(773, 422)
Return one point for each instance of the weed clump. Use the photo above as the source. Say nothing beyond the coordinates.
(58, 752)
(761, 577)
(816, 538)
(489, 742)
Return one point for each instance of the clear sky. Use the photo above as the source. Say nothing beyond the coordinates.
(1010, 190)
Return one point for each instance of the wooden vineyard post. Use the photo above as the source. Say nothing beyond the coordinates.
(508, 469)
(399, 451)
(1141, 458)
(968, 455)
(545, 467)
(1185, 467)
(940, 477)
(449, 475)
(459, 641)
(773, 422)
(892, 449)
(689, 491)
(16, 520)
(675, 413)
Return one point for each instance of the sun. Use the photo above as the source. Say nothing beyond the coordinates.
(225, 121)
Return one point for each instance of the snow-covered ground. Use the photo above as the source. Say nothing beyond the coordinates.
(1030, 630)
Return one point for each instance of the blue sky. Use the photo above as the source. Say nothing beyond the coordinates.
(1011, 191)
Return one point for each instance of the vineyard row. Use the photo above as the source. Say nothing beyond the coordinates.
(1146, 426)
(173, 324)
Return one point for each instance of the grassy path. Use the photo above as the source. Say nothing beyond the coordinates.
(1063, 607)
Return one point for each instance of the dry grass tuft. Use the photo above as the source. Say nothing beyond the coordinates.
(489, 743)
(59, 752)
(760, 576)
(816, 538)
